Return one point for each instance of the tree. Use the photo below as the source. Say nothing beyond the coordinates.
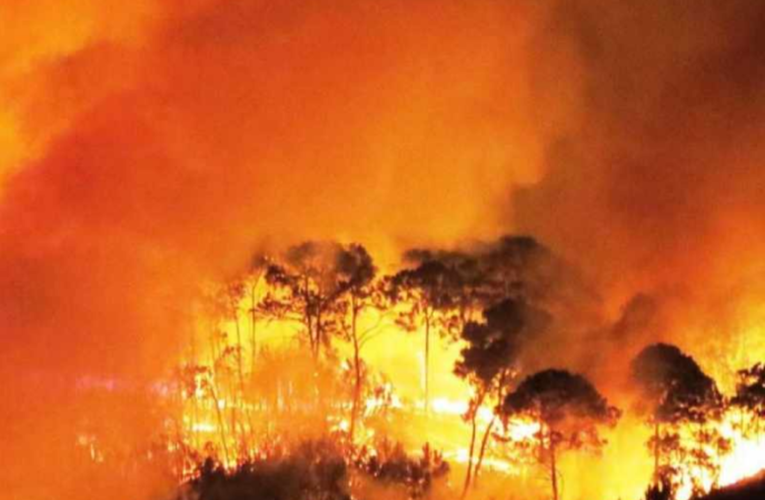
(430, 294)
(253, 283)
(519, 266)
(225, 379)
(513, 266)
(356, 273)
(312, 470)
(673, 391)
(488, 362)
(567, 408)
(307, 287)
(230, 295)
(391, 465)
(750, 394)
(326, 286)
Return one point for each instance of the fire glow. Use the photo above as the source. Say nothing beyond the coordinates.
(154, 154)
(225, 418)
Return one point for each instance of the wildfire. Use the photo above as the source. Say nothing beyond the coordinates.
(747, 455)
(252, 383)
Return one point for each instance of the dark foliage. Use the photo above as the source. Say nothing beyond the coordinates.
(390, 464)
(310, 284)
(662, 490)
(568, 409)
(750, 390)
(554, 396)
(511, 267)
(493, 346)
(673, 385)
(433, 284)
(315, 471)
(675, 394)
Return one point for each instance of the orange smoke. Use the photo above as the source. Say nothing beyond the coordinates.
(150, 146)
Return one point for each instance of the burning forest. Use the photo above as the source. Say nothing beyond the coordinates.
(382, 250)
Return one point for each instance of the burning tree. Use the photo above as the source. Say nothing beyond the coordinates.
(430, 294)
(326, 287)
(307, 287)
(674, 392)
(519, 266)
(567, 408)
(222, 382)
(313, 470)
(389, 464)
(356, 272)
(750, 395)
(488, 362)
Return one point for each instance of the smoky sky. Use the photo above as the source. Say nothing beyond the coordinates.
(654, 173)
(148, 147)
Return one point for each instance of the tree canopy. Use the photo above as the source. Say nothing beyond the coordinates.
(673, 386)
(557, 398)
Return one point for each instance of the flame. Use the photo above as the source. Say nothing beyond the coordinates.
(446, 428)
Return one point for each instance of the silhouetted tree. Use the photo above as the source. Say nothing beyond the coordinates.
(519, 266)
(356, 273)
(315, 470)
(567, 408)
(673, 391)
(308, 287)
(430, 294)
(513, 266)
(391, 464)
(488, 362)
(229, 298)
(199, 379)
(661, 491)
(253, 283)
(750, 394)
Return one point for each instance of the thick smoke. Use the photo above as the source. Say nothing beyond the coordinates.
(655, 169)
(154, 146)
(653, 160)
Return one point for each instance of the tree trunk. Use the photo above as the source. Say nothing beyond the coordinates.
(357, 370)
(319, 334)
(473, 425)
(500, 392)
(482, 451)
(427, 364)
(221, 422)
(254, 330)
(241, 399)
(195, 402)
(239, 365)
(553, 468)
(308, 318)
(311, 335)
(216, 399)
(656, 448)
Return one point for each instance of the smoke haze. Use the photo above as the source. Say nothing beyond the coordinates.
(148, 146)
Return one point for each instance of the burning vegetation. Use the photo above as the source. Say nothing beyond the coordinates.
(383, 248)
(277, 396)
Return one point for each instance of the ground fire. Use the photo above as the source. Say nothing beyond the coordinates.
(382, 249)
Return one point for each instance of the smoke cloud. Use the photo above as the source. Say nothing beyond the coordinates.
(653, 174)
(147, 147)
(154, 146)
